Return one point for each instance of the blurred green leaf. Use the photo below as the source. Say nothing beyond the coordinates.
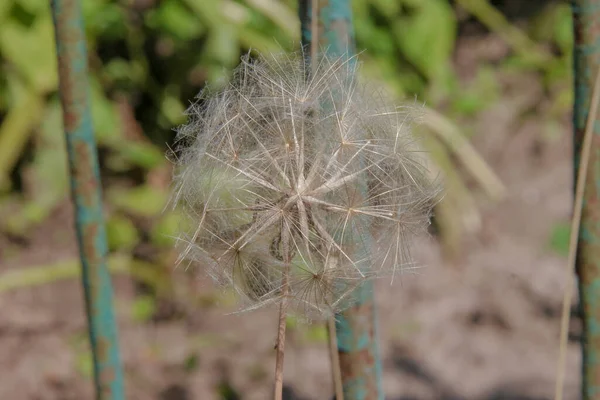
(291, 322)
(145, 155)
(559, 239)
(84, 363)
(107, 125)
(144, 201)
(563, 102)
(143, 308)
(563, 30)
(172, 107)
(426, 35)
(104, 19)
(390, 8)
(555, 24)
(121, 233)
(16, 127)
(558, 73)
(174, 19)
(19, 12)
(223, 45)
(282, 16)
(50, 159)
(29, 215)
(208, 11)
(119, 71)
(32, 52)
(164, 231)
(478, 95)
(227, 392)
(47, 179)
(315, 333)
(44, 274)
(258, 41)
(36, 7)
(5, 7)
(384, 72)
(191, 363)
(469, 103)
(380, 39)
(128, 153)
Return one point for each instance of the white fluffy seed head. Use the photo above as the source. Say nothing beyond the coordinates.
(311, 156)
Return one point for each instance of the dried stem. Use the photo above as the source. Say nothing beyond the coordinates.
(336, 372)
(280, 346)
(280, 352)
(575, 223)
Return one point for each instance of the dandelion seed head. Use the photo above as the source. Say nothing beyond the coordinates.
(313, 159)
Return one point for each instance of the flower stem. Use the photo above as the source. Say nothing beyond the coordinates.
(280, 346)
(336, 372)
(280, 350)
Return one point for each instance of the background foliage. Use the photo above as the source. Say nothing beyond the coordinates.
(149, 58)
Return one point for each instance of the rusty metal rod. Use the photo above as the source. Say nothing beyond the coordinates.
(356, 328)
(586, 15)
(86, 194)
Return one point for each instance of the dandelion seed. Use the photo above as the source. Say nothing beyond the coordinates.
(287, 178)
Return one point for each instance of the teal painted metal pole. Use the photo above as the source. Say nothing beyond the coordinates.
(356, 328)
(86, 193)
(586, 21)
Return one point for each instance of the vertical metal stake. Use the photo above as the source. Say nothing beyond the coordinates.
(86, 193)
(356, 328)
(586, 21)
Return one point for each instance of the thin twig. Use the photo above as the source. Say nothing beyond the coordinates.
(336, 372)
(575, 223)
